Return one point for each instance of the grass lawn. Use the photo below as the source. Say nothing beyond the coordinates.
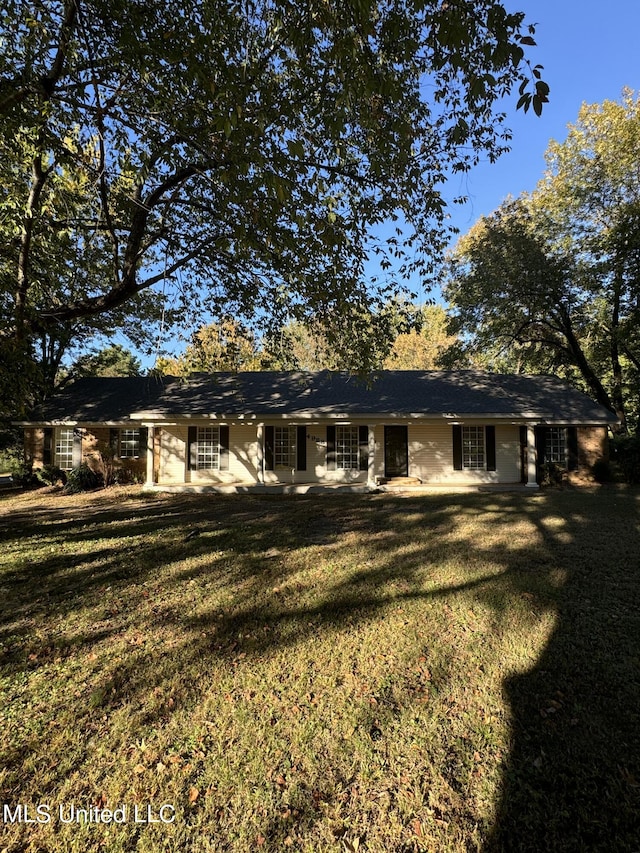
(435, 673)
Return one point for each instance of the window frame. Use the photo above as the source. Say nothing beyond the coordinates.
(347, 448)
(284, 448)
(64, 450)
(556, 446)
(208, 449)
(126, 444)
(474, 448)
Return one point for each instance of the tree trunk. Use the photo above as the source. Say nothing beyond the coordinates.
(585, 368)
(614, 349)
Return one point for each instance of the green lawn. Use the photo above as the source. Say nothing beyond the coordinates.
(435, 673)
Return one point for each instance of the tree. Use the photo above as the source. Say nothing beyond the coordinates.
(301, 346)
(227, 345)
(422, 348)
(113, 360)
(552, 279)
(239, 155)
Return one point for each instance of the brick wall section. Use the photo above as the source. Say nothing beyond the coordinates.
(33, 445)
(94, 440)
(593, 444)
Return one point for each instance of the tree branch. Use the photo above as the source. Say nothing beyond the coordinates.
(38, 180)
(48, 82)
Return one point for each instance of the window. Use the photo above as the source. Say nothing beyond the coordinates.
(347, 449)
(64, 449)
(129, 443)
(208, 452)
(283, 447)
(555, 449)
(473, 450)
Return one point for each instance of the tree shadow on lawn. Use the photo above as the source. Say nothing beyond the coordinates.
(570, 781)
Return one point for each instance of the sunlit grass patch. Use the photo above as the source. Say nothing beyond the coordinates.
(352, 673)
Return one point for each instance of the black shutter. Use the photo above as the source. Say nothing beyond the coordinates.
(193, 448)
(363, 447)
(143, 442)
(541, 444)
(572, 448)
(331, 448)
(224, 448)
(457, 448)
(269, 441)
(490, 446)
(301, 448)
(114, 441)
(76, 456)
(523, 454)
(47, 446)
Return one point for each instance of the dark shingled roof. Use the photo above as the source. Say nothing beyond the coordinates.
(325, 393)
(97, 399)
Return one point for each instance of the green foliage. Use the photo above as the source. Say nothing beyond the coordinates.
(22, 473)
(126, 476)
(551, 474)
(227, 345)
(602, 471)
(82, 479)
(236, 158)
(359, 340)
(114, 360)
(50, 475)
(625, 453)
(551, 281)
(425, 347)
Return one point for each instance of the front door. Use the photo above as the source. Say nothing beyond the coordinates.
(396, 451)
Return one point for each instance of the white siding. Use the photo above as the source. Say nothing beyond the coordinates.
(172, 461)
(243, 458)
(508, 453)
(430, 457)
(316, 441)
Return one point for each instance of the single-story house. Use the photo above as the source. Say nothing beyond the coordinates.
(261, 428)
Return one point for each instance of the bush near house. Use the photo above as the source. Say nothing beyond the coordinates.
(625, 454)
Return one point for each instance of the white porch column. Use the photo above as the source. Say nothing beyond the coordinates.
(150, 443)
(371, 463)
(531, 457)
(260, 457)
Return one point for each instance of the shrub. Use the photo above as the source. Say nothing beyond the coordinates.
(551, 474)
(11, 448)
(82, 479)
(106, 457)
(625, 452)
(22, 474)
(50, 475)
(127, 476)
(601, 471)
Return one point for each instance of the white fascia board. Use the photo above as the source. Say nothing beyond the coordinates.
(160, 418)
(52, 423)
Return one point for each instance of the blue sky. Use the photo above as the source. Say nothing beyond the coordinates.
(590, 52)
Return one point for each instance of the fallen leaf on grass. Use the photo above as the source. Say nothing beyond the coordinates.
(194, 793)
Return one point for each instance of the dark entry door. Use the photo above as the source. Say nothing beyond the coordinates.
(395, 451)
